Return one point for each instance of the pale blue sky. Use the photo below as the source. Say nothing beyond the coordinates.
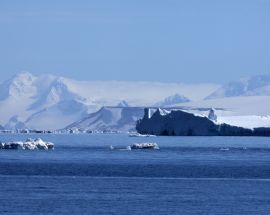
(187, 41)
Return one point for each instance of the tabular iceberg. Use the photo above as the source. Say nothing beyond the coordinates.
(181, 123)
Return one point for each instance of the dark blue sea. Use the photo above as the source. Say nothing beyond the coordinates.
(188, 175)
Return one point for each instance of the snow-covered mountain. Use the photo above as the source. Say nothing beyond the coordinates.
(19, 85)
(172, 100)
(110, 118)
(39, 102)
(56, 92)
(15, 123)
(123, 103)
(253, 86)
(51, 102)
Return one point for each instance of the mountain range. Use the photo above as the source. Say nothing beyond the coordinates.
(258, 85)
(51, 102)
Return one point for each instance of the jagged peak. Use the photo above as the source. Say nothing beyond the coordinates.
(22, 79)
(123, 103)
(19, 84)
(25, 74)
(59, 91)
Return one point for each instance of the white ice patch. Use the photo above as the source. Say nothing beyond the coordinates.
(249, 121)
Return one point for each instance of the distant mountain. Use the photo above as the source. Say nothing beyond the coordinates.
(15, 123)
(1, 127)
(172, 100)
(110, 118)
(253, 86)
(123, 103)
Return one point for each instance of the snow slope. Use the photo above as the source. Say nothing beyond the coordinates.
(110, 118)
(57, 116)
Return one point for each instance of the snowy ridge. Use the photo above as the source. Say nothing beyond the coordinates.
(121, 119)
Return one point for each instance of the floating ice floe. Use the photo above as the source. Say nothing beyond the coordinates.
(128, 148)
(144, 146)
(29, 144)
(137, 146)
(140, 135)
(224, 149)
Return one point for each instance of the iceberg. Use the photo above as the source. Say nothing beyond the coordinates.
(137, 146)
(140, 135)
(181, 123)
(144, 146)
(128, 148)
(29, 144)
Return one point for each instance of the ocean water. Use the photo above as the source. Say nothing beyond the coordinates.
(188, 175)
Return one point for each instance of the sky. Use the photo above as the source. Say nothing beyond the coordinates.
(183, 41)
